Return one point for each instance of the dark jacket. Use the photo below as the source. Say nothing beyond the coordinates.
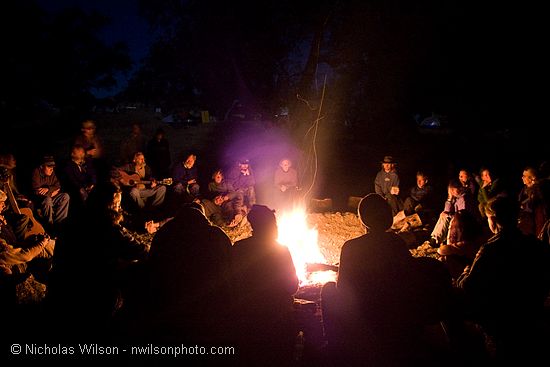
(508, 282)
(80, 175)
(183, 175)
(40, 180)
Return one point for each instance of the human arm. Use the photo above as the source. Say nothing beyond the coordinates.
(14, 256)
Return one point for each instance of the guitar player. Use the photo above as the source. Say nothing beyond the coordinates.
(152, 194)
(16, 253)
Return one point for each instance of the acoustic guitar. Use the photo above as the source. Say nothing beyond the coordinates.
(133, 179)
(34, 226)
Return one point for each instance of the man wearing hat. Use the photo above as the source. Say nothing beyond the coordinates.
(53, 203)
(386, 184)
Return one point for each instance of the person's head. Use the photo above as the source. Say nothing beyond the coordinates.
(485, 174)
(88, 128)
(189, 161)
(263, 221)
(244, 164)
(463, 227)
(105, 197)
(529, 177)
(139, 159)
(78, 153)
(3, 198)
(8, 161)
(502, 212)
(217, 176)
(388, 164)
(455, 188)
(375, 213)
(285, 164)
(463, 176)
(136, 129)
(48, 165)
(421, 179)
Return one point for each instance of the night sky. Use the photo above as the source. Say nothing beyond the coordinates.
(126, 26)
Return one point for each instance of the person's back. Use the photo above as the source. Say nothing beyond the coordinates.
(264, 280)
(188, 284)
(507, 292)
(373, 311)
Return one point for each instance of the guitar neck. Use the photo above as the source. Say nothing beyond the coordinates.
(11, 198)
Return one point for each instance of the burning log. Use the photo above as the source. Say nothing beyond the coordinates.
(310, 268)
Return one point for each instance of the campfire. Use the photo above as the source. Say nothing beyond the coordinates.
(302, 241)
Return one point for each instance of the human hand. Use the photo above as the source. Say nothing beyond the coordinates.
(43, 191)
(191, 181)
(283, 188)
(151, 226)
(55, 192)
(394, 190)
(153, 183)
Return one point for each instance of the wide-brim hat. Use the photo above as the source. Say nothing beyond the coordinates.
(388, 159)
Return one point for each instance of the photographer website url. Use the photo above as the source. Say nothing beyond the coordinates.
(151, 349)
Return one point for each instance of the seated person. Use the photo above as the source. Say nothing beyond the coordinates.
(243, 181)
(140, 193)
(462, 244)
(467, 181)
(185, 177)
(8, 166)
(19, 260)
(380, 299)
(89, 140)
(17, 252)
(80, 174)
(420, 197)
(220, 214)
(532, 214)
(285, 181)
(386, 184)
(264, 279)
(489, 188)
(232, 200)
(458, 199)
(506, 286)
(53, 203)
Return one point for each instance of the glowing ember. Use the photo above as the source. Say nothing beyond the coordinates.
(301, 240)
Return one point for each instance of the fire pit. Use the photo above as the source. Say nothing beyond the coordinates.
(314, 241)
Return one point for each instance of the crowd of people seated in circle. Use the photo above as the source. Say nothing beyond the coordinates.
(75, 233)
